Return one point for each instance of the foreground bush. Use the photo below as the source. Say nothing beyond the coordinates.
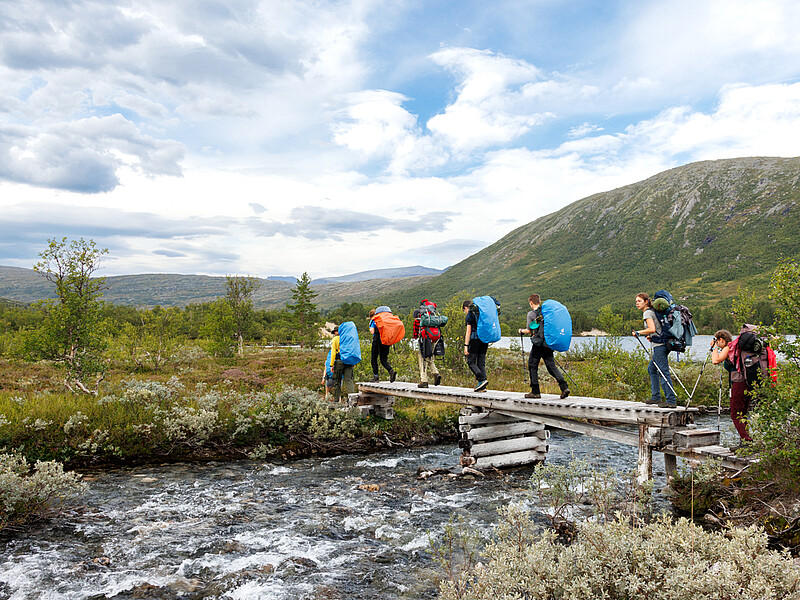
(663, 560)
(28, 494)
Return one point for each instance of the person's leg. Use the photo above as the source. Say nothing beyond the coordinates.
(437, 379)
(384, 354)
(661, 358)
(739, 408)
(555, 372)
(655, 385)
(376, 344)
(423, 370)
(338, 368)
(472, 363)
(481, 363)
(533, 370)
(349, 383)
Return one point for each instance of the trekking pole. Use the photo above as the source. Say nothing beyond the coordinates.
(698, 379)
(522, 350)
(646, 349)
(563, 370)
(719, 400)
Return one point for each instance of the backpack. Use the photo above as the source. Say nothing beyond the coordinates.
(677, 327)
(488, 309)
(430, 321)
(557, 325)
(390, 328)
(754, 357)
(349, 346)
(329, 366)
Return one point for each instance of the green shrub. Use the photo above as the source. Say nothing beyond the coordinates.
(663, 560)
(28, 494)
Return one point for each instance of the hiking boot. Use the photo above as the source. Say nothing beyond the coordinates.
(437, 379)
(375, 379)
(392, 376)
(422, 384)
(667, 405)
(651, 401)
(533, 395)
(564, 389)
(481, 387)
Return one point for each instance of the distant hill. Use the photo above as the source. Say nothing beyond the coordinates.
(169, 289)
(699, 231)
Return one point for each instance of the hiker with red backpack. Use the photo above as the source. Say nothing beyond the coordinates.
(750, 362)
(426, 329)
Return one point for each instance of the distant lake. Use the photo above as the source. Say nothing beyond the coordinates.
(701, 344)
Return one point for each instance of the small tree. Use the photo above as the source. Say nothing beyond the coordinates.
(240, 299)
(305, 312)
(220, 327)
(73, 330)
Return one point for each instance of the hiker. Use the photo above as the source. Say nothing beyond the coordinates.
(327, 377)
(720, 350)
(750, 361)
(540, 350)
(428, 337)
(474, 348)
(659, 364)
(379, 349)
(342, 373)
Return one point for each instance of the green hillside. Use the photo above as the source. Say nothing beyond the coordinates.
(698, 230)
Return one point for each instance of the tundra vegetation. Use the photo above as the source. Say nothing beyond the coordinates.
(84, 383)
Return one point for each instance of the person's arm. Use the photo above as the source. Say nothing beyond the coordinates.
(718, 354)
(651, 327)
(466, 338)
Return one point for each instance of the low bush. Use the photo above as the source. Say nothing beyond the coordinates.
(28, 494)
(663, 560)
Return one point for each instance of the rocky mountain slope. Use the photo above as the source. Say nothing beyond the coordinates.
(699, 231)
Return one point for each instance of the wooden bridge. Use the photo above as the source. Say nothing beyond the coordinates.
(501, 428)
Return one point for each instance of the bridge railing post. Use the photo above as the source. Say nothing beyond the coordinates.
(644, 465)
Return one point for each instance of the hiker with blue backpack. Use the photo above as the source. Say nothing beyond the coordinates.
(474, 348)
(346, 353)
(540, 350)
(658, 368)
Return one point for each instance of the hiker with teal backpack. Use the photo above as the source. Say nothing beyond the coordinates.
(540, 350)
(658, 368)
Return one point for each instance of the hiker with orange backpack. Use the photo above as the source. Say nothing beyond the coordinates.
(387, 329)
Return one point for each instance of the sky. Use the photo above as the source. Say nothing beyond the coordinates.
(272, 138)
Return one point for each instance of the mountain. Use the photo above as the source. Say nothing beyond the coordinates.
(395, 273)
(699, 231)
(170, 289)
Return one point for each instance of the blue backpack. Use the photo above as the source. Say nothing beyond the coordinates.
(557, 325)
(349, 346)
(488, 329)
(329, 366)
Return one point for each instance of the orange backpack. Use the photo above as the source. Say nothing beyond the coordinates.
(390, 328)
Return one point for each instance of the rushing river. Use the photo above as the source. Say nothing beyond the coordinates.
(345, 527)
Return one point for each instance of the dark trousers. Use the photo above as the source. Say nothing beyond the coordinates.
(343, 379)
(476, 359)
(546, 354)
(379, 350)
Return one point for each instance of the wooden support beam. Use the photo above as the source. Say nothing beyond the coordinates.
(513, 459)
(493, 432)
(599, 431)
(695, 438)
(508, 446)
(644, 466)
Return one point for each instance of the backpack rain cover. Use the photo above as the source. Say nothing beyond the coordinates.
(488, 329)
(349, 346)
(557, 325)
